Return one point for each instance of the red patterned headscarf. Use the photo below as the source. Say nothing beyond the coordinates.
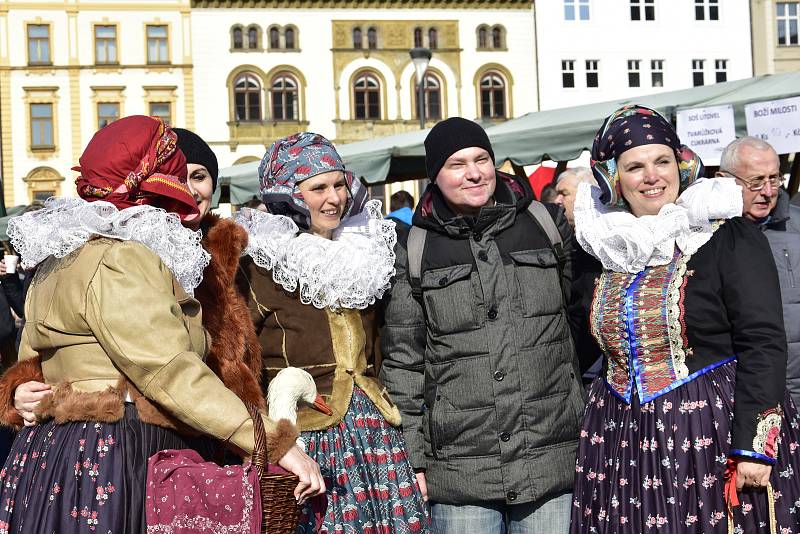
(135, 161)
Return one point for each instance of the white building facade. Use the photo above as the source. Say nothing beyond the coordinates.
(598, 50)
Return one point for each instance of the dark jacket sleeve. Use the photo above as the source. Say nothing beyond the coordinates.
(12, 287)
(403, 340)
(752, 299)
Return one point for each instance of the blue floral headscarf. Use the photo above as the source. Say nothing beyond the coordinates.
(293, 159)
(629, 127)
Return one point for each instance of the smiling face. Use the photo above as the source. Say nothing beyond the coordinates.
(326, 197)
(649, 178)
(467, 180)
(202, 188)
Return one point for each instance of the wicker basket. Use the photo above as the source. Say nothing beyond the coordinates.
(281, 513)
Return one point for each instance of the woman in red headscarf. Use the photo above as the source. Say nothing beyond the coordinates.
(118, 335)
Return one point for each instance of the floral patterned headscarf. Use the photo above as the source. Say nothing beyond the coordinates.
(629, 127)
(293, 159)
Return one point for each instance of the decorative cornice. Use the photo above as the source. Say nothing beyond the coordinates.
(363, 4)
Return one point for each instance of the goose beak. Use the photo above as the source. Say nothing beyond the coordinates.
(321, 406)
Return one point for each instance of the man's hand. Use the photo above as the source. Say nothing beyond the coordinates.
(423, 485)
(300, 464)
(27, 397)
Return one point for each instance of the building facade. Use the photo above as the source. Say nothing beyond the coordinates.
(776, 36)
(597, 50)
(68, 68)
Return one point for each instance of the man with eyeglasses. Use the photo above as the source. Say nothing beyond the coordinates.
(756, 167)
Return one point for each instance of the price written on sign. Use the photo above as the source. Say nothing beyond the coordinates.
(776, 122)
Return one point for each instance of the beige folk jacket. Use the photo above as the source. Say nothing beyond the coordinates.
(111, 316)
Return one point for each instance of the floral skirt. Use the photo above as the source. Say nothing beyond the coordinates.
(371, 487)
(82, 477)
(659, 467)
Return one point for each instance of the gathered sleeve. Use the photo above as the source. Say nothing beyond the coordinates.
(132, 311)
(752, 297)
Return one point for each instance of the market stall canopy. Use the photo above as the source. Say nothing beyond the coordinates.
(558, 134)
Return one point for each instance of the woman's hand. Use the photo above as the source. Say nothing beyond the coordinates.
(299, 463)
(423, 485)
(27, 397)
(753, 474)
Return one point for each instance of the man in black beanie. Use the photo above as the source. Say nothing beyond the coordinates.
(477, 351)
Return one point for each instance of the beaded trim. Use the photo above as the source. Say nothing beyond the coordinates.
(768, 432)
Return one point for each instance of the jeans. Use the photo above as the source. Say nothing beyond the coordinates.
(541, 517)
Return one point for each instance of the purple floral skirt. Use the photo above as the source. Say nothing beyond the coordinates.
(659, 467)
(82, 477)
(371, 484)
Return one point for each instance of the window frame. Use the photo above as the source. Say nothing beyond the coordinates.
(592, 73)
(367, 90)
(372, 38)
(166, 39)
(295, 37)
(706, 10)
(257, 44)
(417, 37)
(645, 10)
(433, 38)
(578, 8)
(634, 73)
(568, 72)
(427, 91)
(100, 116)
(785, 20)
(656, 68)
(33, 121)
(358, 38)
(258, 91)
(482, 35)
(106, 40)
(492, 91)
(720, 70)
(283, 92)
(234, 29)
(48, 40)
(698, 72)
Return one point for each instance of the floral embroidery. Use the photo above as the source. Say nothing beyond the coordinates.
(768, 430)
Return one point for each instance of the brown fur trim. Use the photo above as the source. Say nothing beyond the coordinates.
(151, 414)
(280, 440)
(235, 352)
(66, 405)
(16, 375)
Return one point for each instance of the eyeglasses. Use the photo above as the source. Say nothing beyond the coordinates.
(758, 183)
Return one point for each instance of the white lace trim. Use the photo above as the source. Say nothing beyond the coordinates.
(351, 270)
(66, 224)
(626, 243)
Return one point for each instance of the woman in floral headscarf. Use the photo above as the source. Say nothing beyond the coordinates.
(315, 266)
(114, 331)
(690, 428)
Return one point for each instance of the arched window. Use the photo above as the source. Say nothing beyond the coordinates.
(274, 38)
(372, 38)
(252, 37)
(493, 96)
(289, 38)
(433, 38)
(417, 37)
(433, 98)
(367, 97)
(238, 38)
(357, 38)
(247, 97)
(497, 37)
(483, 37)
(284, 93)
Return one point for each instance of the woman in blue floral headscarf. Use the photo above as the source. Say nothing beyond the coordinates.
(316, 264)
(689, 429)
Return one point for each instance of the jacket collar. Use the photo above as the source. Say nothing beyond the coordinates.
(780, 213)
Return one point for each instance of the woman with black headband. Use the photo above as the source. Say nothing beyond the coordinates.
(689, 429)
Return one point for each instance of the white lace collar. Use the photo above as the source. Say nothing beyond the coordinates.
(66, 224)
(351, 270)
(626, 243)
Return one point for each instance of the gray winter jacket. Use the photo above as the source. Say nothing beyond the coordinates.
(481, 364)
(783, 232)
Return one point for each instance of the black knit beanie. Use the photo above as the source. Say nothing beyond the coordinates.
(198, 152)
(450, 136)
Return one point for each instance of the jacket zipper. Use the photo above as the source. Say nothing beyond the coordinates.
(789, 266)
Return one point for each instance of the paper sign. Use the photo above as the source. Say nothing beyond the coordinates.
(777, 122)
(707, 131)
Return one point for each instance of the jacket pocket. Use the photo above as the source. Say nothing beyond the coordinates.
(450, 299)
(463, 433)
(538, 282)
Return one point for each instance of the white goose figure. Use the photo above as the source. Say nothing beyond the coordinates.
(291, 387)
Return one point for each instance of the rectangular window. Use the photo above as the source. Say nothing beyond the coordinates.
(568, 73)
(592, 76)
(643, 9)
(42, 126)
(706, 9)
(107, 112)
(788, 19)
(39, 44)
(721, 69)
(697, 72)
(576, 9)
(163, 110)
(157, 49)
(105, 44)
(633, 73)
(657, 72)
